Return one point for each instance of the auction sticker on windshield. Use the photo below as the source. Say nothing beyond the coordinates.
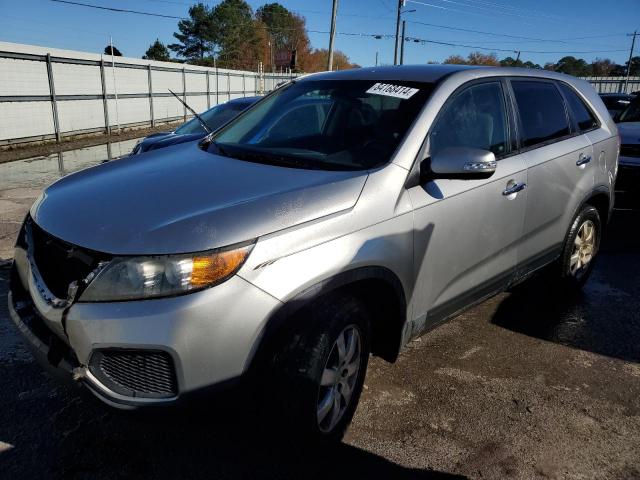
(389, 90)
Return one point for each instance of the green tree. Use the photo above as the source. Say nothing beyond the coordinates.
(602, 67)
(116, 52)
(635, 67)
(284, 31)
(512, 62)
(235, 32)
(157, 51)
(317, 59)
(530, 64)
(455, 60)
(197, 34)
(570, 65)
(479, 58)
(279, 22)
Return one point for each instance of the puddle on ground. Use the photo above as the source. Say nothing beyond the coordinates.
(38, 172)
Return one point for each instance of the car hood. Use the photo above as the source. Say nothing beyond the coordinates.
(184, 199)
(166, 139)
(629, 132)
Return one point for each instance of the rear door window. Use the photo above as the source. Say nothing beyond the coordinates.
(581, 113)
(476, 118)
(542, 112)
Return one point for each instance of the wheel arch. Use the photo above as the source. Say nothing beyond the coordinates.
(600, 199)
(378, 288)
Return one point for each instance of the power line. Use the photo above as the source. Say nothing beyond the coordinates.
(518, 37)
(422, 40)
(483, 8)
(456, 10)
(498, 8)
(479, 31)
(119, 10)
(123, 10)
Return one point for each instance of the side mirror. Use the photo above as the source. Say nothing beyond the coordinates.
(461, 163)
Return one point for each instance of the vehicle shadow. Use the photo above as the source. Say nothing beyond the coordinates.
(219, 439)
(604, 318)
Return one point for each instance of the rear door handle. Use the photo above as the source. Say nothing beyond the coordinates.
(514, 189)
(583, 159)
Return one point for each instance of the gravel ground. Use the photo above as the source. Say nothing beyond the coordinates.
(526, 385)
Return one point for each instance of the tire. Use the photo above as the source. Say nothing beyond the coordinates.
(580, 249)
(302, 370)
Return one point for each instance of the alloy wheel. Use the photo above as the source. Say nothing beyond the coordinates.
(339, 378)
(584, 248)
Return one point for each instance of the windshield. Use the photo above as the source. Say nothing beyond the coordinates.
(325, 124)
(214, 118)
(632, 112)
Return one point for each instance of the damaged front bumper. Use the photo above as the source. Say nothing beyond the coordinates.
(140, 353)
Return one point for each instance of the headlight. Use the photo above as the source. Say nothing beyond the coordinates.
(129, 278)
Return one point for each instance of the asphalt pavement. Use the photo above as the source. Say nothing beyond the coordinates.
(526, 385)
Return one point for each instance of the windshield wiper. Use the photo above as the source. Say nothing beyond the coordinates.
(204, 125)
(271, 158)
(218, 147)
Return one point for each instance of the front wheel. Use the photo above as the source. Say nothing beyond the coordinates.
(321, 369)
(580, 249)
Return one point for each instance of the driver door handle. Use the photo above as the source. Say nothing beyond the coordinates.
(514, 189)
(583, 159)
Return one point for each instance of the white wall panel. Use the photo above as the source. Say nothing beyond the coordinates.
(130, 110)
(235, 83)
(80, 114)
(23, 77)
(196, 82)
(70, 79)
(163, 81)
(197, 102)
(25, 119)
(167, 107)
(128, 80)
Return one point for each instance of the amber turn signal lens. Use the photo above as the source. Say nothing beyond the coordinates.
(217, 267)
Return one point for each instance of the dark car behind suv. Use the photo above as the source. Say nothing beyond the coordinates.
(628, 182)
(616, 102)
(192, 130)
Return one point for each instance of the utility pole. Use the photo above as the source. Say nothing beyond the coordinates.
(376, 58)
(633, 44)
(395, 50)
(517, 56)
(115, 88)
(334, 13)
(404, 22)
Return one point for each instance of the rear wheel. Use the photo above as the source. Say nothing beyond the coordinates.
(320, 371)
(580, 249)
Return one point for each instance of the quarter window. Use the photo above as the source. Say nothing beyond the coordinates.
(475, 118)
(542, 112)
(583, 116)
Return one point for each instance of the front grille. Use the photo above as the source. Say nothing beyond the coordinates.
(60, 263)
(135, 373)
(630, 150)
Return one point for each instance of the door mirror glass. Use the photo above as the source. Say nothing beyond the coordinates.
(460, 162)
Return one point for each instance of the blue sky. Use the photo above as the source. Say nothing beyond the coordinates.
(43, 22)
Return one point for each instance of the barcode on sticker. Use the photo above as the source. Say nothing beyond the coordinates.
(389, 90)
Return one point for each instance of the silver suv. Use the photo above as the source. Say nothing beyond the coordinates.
(344, 214)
